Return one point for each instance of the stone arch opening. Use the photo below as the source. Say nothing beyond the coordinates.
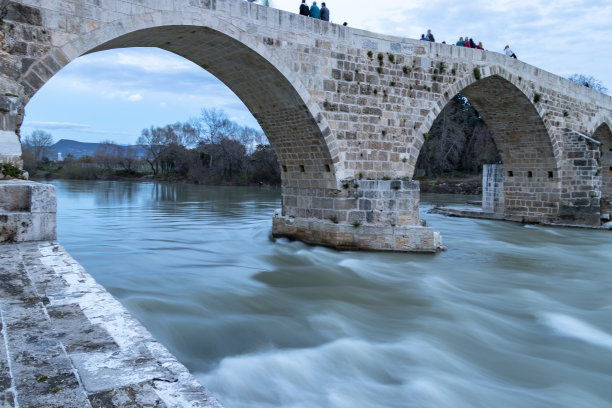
(297, 137)
(531, 176)
(603, 134)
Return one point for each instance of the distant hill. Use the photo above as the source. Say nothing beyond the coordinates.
(78, 149)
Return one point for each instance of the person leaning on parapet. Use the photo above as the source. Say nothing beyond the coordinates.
(324, 12)
(304, 10)
(430, 36)
(423, 38)
(315, 12)
(460, 43)
(509, 52)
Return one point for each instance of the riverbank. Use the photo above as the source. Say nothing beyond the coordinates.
(100, 175)
(68, 343)
(467, 185)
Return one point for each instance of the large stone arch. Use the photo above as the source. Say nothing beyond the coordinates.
(528, 147)
(252, 69)
(603, 135)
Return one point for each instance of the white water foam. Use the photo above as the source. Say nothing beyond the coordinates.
(571, 327)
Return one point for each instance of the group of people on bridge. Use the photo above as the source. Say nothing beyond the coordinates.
(469, 43)
(466, 42)
(314, 11)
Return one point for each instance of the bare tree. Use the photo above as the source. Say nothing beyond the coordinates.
(128, 158)
(211, 127)
(589, 82)
(163, 143)
(250, 138)
(39, 143)
(152, 141)
(181, 134)
(107, 154)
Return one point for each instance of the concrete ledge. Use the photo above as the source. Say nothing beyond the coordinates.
(466, 212)
(410, 238)
(27, 211)
(66, 342)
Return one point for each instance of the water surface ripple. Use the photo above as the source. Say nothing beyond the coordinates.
(510, 315)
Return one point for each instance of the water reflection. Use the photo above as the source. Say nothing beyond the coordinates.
(510, 315)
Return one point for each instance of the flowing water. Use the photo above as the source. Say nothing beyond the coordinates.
(510, 315)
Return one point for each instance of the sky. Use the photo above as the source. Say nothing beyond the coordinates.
(113, 95)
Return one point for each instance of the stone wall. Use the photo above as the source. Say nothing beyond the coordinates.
(581, 180)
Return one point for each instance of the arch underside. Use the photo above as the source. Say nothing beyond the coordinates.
(531, 183)
(283, 115)
(603, 134)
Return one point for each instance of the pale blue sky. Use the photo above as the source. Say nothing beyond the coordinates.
(113, 95)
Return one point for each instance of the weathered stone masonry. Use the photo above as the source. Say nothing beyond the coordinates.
(67, 343)
(340, 106)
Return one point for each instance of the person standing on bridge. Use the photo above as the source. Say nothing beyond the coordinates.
(304, 10)
(315, 12)
(324, 12)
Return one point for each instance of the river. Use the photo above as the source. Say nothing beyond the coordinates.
(510, 315)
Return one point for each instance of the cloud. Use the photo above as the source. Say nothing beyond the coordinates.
(143, 59)
(68, 126)
(137, 71)
(134, 98)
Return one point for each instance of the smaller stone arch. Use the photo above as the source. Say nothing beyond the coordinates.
(526, 143)
(603, 134)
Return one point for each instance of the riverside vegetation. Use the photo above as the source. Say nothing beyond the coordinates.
(212, 149)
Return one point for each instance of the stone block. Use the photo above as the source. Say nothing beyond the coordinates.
(27, 211)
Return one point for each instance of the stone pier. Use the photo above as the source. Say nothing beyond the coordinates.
(493, 188)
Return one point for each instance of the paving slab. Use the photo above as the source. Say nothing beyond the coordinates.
(66, 342)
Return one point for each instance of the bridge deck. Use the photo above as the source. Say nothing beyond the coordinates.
(66, 342)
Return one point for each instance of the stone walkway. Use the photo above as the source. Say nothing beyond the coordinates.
(66, 342)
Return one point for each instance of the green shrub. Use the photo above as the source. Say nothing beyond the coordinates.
(537, 97)
(10, 170)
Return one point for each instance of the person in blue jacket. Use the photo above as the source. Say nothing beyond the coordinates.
(314, 10)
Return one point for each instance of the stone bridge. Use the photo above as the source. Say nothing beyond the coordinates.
(346, 110)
